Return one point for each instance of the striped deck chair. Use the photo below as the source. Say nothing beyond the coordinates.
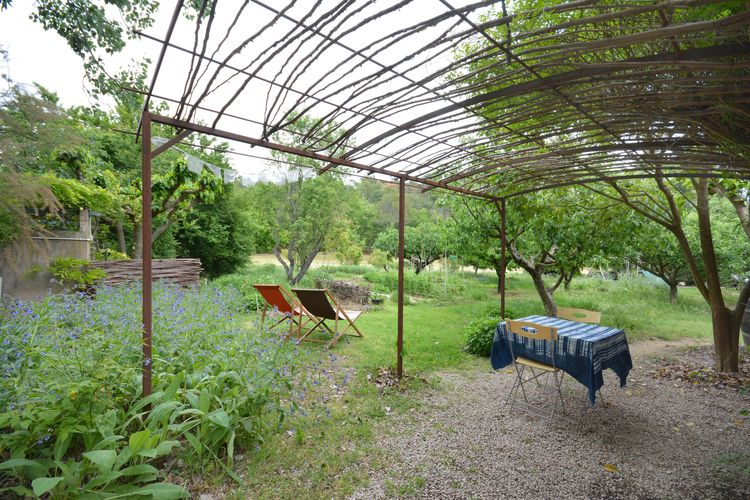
(323, 305)
(278, 300)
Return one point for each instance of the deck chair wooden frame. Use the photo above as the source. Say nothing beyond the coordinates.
(534, 331)
(321, 304)
(580, 315)
(279, 299)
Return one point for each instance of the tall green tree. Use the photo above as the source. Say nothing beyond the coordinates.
(662, 201)
(304, 208)
(40, 137)
(476, 233)
(218, 234)
(423, 244)
(657, 252)
(548, 233)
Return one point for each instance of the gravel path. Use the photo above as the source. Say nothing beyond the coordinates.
(656, 438)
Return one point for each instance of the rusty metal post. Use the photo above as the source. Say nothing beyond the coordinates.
(146, 245)
(400, 338)
(502, 257)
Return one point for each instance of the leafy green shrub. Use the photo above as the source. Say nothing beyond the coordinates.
(481, 331)
(75, 272)
(381, 260)
(109, 254)
(72, 420)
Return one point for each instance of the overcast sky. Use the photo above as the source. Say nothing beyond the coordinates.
(44, 57)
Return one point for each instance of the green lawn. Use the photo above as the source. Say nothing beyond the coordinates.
(327, 454)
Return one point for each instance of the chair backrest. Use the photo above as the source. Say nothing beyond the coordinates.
(582, 315)
(316, 301)
(274, 295)
(532, 330)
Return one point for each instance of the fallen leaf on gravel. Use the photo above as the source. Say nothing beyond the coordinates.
(701, 372)
(628, 393)
(611, 468)
(507, 370)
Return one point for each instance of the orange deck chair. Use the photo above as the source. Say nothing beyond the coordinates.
(278, 299)
(323, 305)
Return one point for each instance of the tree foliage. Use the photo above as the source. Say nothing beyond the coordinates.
(218, 233)
(93, 27)
(423, 244)
(665, 202)
(75, 157)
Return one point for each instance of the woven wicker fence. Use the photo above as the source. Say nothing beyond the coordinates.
(185, 272)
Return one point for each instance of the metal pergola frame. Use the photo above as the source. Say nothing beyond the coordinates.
(472, 130)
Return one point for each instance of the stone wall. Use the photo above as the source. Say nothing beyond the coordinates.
(23, 265)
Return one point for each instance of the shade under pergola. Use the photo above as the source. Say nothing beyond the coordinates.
(463, 96)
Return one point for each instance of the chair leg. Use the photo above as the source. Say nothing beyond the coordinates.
(536, 378)
(521, 382)
(513, 393)
(302, 336)
(559, 399)
(263, 316)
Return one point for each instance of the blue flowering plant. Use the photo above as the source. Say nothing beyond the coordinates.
(72, 419)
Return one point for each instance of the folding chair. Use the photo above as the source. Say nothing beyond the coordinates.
(323, 305)
(580, 315)
(280, 300)
(535, 333)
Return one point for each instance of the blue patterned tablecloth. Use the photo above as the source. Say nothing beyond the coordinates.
(583, 350)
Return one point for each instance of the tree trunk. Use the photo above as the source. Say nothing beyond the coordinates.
(544, 293)
(568, 278)
(308, 260)
(499, 272)
(673, 293)
(280, 258)
(122, 246)
(536, 271)
(726, 332)
(726, 339)
(137, 241)
(418, 266)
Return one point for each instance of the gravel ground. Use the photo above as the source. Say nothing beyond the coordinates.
(656, 438)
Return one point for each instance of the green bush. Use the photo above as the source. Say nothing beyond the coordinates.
(72, 419)
(109, 254)
(75, 272)
(481, 331)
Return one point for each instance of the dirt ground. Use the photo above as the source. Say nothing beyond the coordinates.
(675, 431)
